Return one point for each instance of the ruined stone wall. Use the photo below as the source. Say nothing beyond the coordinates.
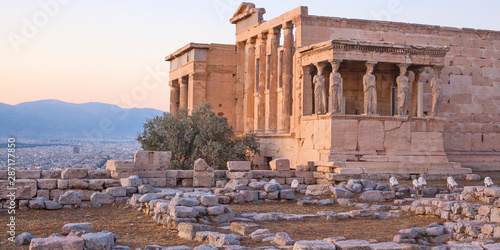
(471, 78)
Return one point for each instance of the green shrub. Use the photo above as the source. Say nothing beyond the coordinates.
(202, 134)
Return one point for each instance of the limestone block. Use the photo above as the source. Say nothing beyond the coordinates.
(182, 174)
(397, 136)
(80, 227)
(69, 242)
(280, 164)
(373, 196)
(322, 135)
(74, 173)
(78, 184)
(188, 230)
(111, 183)
(182, 212)
(244, 228)
(152, 160)
(117, 191)
(239, 175)
(70, 198)
(313, 244)
(458, 141)
(99, 174)
(28, 174)
(101, 240)
(345, 135)
(120, 166)
(186, 182)
(157, 182)
(51, 174)
(317, 190)
(45, 194)
(239, 166)
(201, 166)
(26, 189)
(55, 193)
(131, 181)
(426, 142)
(371, 135)
(96, 184)
(47, 183)
(203, 179)
(102, 198)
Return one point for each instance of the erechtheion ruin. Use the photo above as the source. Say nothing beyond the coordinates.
(354, 96)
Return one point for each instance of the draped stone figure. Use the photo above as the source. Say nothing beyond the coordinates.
(403, 90)
(437, 92)
(336, 83)
(370, 91)
(319, 91)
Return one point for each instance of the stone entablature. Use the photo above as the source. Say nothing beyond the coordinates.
(374, 51)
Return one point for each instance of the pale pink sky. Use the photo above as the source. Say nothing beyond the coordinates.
(102, 51)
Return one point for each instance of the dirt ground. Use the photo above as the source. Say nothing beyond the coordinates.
(131, 230)
(320, 228)
(134, 231)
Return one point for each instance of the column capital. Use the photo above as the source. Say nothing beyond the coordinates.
(251, 41)
(287, 25)
(276, 31)
(320, 65)
(437, 69)
(418, 71)
(173, 84)
(262, 36)
(403, 65)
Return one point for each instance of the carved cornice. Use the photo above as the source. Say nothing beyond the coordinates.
(373, 46)
(372, 117)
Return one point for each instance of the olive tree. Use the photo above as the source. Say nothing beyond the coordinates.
(203, 134)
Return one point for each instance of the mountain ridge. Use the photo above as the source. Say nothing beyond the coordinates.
(55, 119)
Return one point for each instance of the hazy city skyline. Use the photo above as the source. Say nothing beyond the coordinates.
(113, 51)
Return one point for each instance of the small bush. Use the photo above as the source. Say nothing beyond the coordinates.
(202, 134)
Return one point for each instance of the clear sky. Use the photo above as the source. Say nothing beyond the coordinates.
(113, 51)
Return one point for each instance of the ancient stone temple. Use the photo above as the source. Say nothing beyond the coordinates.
(203, 73)
(360, 97)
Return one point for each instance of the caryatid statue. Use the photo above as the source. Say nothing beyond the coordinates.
(437, 91)
(336, 83)
(320, 90)
(403, 89)
(370, 91)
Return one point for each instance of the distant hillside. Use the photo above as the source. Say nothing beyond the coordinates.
(53, 119)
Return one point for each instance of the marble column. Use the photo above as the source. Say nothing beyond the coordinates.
(307, 90)
(260, 105)
(183, 96)
(272, 99)
(403, 89)
(249, 84)
(416, 94)
(437, 91)
(286, 107)
(319, 83)
(370, 90)
(174, 96)
(336, 88)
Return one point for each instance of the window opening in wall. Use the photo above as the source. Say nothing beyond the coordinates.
(268, 72)
(257, 69)
(280, 70)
